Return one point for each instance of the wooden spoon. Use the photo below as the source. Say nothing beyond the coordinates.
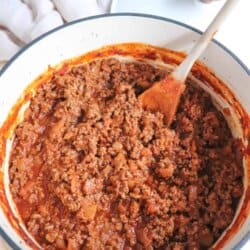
(164, 96)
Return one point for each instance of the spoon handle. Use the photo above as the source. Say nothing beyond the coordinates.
(181, 72)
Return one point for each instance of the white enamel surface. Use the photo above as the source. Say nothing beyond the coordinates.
(197, 14)
(84, 36)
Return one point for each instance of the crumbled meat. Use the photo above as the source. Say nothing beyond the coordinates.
(87, 210)
(90, 169)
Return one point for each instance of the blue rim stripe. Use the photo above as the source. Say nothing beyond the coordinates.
(236, 58)
(11, 243)
(7, 65)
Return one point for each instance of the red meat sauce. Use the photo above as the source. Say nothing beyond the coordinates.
(90, 169)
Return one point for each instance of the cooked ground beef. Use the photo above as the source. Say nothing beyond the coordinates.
(90, 169)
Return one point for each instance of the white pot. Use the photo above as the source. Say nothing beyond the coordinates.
(84, 35)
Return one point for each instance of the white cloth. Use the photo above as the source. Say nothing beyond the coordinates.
(31, 18)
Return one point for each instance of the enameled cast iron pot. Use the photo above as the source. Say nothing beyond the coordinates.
(230, 89)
